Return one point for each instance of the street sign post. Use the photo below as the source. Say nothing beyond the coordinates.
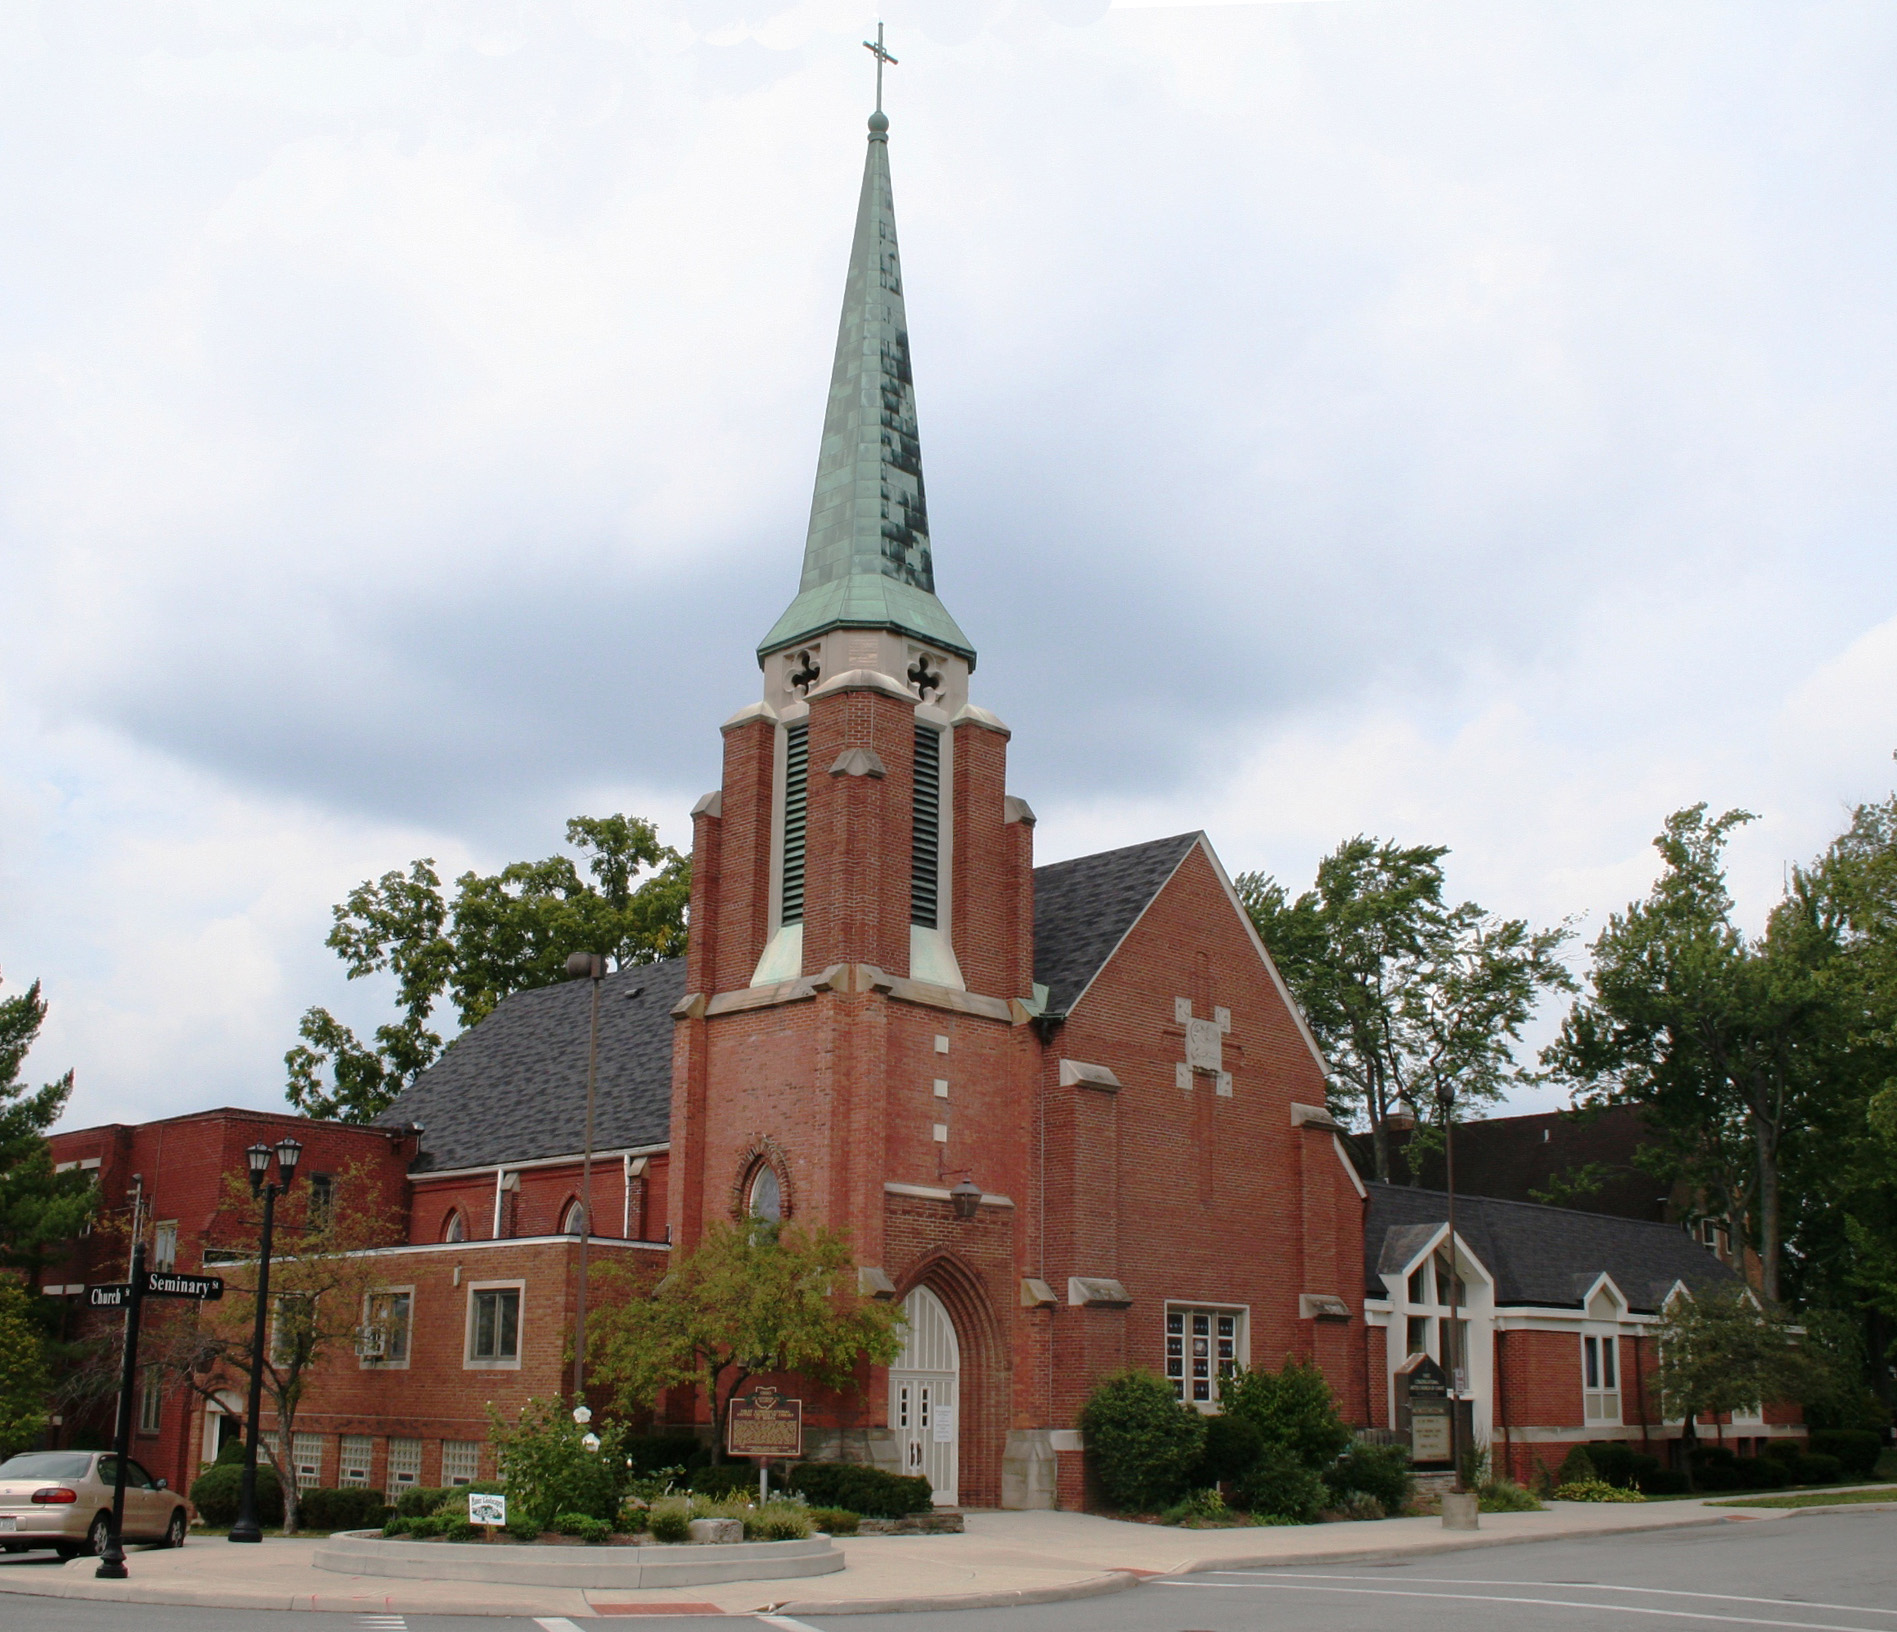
(112, 1563)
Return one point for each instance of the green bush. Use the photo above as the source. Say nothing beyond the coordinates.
(1279, 1486)
(1856, 1449)
(1294, 1408)
(777, 1521)
(418, 1501)
(214, 1493)
(1817, 1470)
(397, 1525)
(1505, 1496)
(833, 1521)
(1620, 1464)
(1762, 1473)
(729, 1479)
(1232, 1445)
(549, 1470)
(1577, 1467)
(231, 1453)
(459, 1530)
(1378, 1471)
(1203, 1506)
(582, 1525)
(1595, 1490)
(862, 1489)
(1666, 1482)
(671, 1522)
(1144, 1443)
(346, 1507)
(1783, 1450)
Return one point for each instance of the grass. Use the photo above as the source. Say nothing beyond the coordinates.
(1816, 1498)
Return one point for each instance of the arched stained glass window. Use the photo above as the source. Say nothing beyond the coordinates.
(454, 1229)
(575, 1218)
(767, 1194)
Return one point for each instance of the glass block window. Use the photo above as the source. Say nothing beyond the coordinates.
(307, 1452)
(1202, 1349)
(796, 808)
(357, 1452)
(460, 1461)
(405, 1466)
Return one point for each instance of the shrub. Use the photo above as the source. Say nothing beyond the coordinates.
(1714, 1468)
(1201, 1505)
(1293, 1408)
(231, 1453)
(346, 1507)
(1143, 1443)
(418, 1501)
(396, 1525)
(1666, 1482)
(671, 1522)
(722, 1479)
(1620, 1464)
(1817, 1470)
(650, 1453)
(458, 1530)
(862, 1489)
(583, 1525)
(1378, 1471)
(1595, 1490)
(1855, 1448)
(776, 1521)
(549, 1470)
(1762, 1473)
(1577, 1467)
(1279, 1486)
(1505, 1496)
(1783, 1450)
(1357, 1506)
(429, 1525)
(1232, 1444)
(834, 1521)
(215, 1492)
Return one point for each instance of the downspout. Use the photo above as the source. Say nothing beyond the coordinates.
(499, 1174)
(625, 1194)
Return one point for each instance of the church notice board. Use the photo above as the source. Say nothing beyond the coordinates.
(1422, 1412)
(765, 1423)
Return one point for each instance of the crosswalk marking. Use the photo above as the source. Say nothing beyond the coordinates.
(785, 1624)
(554, 1623)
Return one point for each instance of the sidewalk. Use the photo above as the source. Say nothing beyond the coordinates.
(1001, 1559)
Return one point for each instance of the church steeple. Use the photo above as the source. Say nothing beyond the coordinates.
(867, 561)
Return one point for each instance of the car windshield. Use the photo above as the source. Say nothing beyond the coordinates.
(47, 1465)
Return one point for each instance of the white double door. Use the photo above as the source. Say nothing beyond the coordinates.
(925, 1394)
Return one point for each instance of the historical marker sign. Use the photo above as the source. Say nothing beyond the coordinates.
(163, 1283)
(766, 1423)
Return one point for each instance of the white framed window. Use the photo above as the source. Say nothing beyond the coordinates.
(358, 1455)
(306, 1456)
(493, 1341)
(1750, 1416)
(1204, 1346)
(405, 1466)
(1600, 1377)
(456, 1228)
(460, 1461)
(164, 1245)
(1416, 1335)
(151, 1401)
(387, 1315)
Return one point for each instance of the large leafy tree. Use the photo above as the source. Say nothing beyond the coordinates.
(747, 1300)
(40, 1210)
(1714, 1033)
(1410, 998)
(1720, 1351)
(503, 932)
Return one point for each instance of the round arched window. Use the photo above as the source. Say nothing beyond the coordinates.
(574, 1220)
(767, 1194)
(454, 1229)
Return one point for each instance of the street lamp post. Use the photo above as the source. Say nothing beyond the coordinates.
(585, 966)
(288, 1153)
(1446, 1103)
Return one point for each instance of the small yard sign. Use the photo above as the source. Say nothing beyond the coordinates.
(766, 1423)
(486, 1509)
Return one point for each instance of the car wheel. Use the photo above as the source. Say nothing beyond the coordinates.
(176, 1530)
(99, 1536)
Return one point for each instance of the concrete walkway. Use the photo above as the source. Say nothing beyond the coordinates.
(1001, 1559)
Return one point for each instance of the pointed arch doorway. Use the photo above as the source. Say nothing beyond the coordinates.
(925, 1387)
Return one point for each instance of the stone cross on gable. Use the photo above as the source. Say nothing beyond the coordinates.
(1205, 1047)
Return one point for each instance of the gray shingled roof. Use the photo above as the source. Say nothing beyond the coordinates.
(1084, 907)
(514, 1087)
(1546, 1256)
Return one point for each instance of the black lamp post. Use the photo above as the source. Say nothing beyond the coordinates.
(585, 966)
(288, 1153)
(1446, 1103)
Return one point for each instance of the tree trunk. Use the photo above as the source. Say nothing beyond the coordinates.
(1768, 1206)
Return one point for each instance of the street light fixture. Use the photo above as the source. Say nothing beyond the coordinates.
(965, 1198)
(257, 1159)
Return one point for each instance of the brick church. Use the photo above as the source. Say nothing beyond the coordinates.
(1069, 1115)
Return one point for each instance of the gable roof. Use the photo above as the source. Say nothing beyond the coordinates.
(1545, 1256)
(1084, 908)
(513, 1088)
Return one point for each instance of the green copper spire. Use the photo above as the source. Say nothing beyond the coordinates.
(867, 563)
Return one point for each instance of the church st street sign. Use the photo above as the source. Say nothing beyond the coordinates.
(159, 1283)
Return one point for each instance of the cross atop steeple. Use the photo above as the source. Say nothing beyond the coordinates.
(876, 50)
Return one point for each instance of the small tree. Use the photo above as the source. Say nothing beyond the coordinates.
(318, 1287)
(549, 1469)
(1720, 1351)
(745, 1301)
(23, 1379)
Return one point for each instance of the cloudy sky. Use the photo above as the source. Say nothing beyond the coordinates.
(1457, 422)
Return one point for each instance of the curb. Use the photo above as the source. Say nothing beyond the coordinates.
(130, 1592)
(1092, 1586)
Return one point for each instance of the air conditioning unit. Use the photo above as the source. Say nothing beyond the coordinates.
(371, 1342)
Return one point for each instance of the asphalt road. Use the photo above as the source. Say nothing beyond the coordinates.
(1829, 1573)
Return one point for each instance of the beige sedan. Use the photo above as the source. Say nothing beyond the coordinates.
(63, 1500)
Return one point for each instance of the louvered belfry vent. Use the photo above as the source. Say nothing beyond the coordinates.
(796, 801)
(925, 859)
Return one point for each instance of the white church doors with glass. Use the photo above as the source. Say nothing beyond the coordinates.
(925, 1394)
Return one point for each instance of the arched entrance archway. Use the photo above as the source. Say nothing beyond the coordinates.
(925, 1396)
